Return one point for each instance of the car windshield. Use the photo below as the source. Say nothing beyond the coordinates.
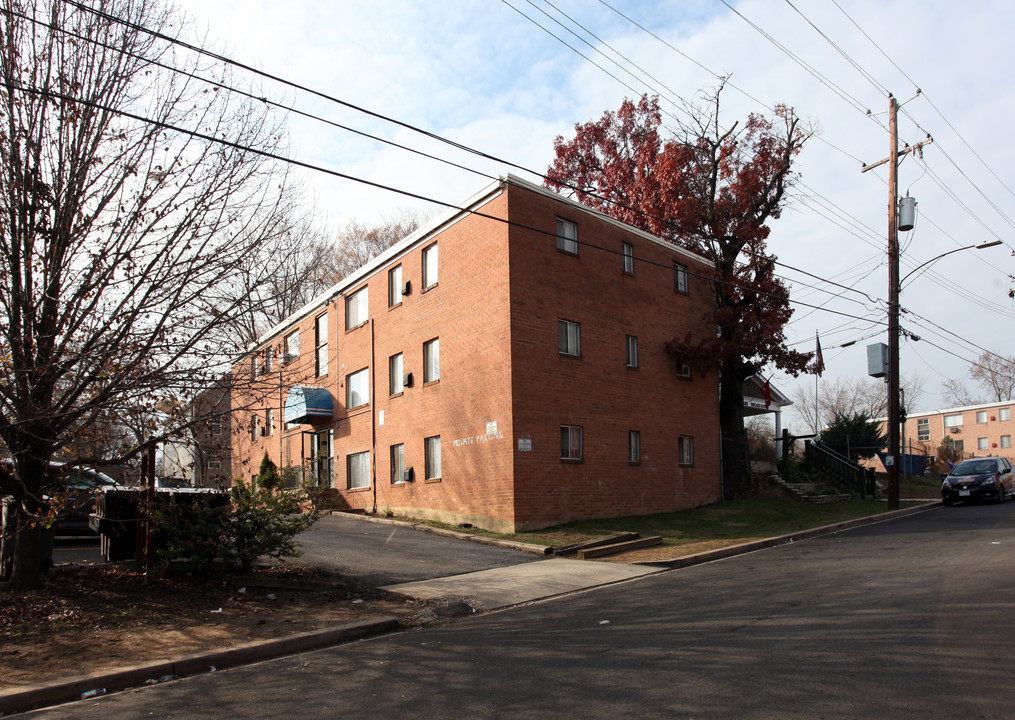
(975, 467)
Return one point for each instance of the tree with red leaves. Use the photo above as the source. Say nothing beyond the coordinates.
(712, 190)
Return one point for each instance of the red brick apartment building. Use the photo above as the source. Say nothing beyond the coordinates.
(974, 430)
(503, 366)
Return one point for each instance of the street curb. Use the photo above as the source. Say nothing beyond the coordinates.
(481, 539)
(62, 691)
(742, 548)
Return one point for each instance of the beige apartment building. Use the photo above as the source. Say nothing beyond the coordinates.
(962, 432)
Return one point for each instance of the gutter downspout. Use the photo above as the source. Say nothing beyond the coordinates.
(373, 420)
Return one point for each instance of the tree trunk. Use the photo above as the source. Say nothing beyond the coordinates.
(32, 556)
(735, 467)
(33, 544)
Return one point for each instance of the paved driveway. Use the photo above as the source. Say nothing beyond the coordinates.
(385, 554)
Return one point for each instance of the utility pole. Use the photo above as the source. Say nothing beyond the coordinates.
(894, 419)
(893, 303)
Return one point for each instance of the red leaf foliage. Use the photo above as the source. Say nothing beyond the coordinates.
(709, 190)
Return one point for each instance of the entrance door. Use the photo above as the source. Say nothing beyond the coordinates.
(321, 461)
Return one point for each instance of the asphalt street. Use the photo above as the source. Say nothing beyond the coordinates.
(912, 618)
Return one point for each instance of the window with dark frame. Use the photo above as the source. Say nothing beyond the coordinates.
(357, 388)
(571, 442)
(395, 375)
(430, 266)
(395, 286)
(292, 345)
(432, 448)
(357, 308)
(569, 338)
(397, 464)
(683, 367)
(680, 278)
(634, 447)
(632, 351)
(358, 470)
(628, 250)
(567, 236)
(432, 360)
(685, 450)
(321, 344)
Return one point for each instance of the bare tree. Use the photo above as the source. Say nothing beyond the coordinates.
(357, 244)
(995, 374)
(849, 397)
(956, 394)
(127, 200)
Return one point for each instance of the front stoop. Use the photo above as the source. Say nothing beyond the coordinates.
(619, 547)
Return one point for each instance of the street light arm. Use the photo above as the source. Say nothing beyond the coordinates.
(978, 246)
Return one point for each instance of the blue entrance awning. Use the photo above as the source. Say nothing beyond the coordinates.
(307, 404)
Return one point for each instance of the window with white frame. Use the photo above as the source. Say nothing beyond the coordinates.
(981, 416)
(432, 360)
(628, 250)
(395, 286)
(634, 446)
(981, 444)
(253, 367)
(571, 442)
(358, 470)
(680, 278)
(255, 428)
(321, 344)
(1006, 441)
(953, 421)
(432, 446)
(632, 351)
(269, 359)
(1004, 414)
(430, 266)
(567, 236)
(269, 421)
(216, 427)
(569, 338)
(923, 429)
(357, 308)
(395, 377)
(397, 463)
(357, 388)
(685, 450)
(683, 367)
(292, 345)
(214, 463)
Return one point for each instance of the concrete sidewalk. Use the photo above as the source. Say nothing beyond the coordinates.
(506, 586)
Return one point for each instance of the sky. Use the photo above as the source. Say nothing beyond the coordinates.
(490, 75)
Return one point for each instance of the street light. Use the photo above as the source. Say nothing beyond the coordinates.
(978, 246)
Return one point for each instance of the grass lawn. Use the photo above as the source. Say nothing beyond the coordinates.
(724, 523)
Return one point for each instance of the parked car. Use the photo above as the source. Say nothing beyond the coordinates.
(987, 478)
(73, 490)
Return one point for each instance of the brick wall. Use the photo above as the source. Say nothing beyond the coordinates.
(501, 290)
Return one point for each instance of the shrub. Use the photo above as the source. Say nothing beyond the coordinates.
(265, 522)
(254, 521)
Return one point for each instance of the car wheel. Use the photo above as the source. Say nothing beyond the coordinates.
(948, 502)
(1001, 494)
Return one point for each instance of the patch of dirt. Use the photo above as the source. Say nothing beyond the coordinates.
(90, 619)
